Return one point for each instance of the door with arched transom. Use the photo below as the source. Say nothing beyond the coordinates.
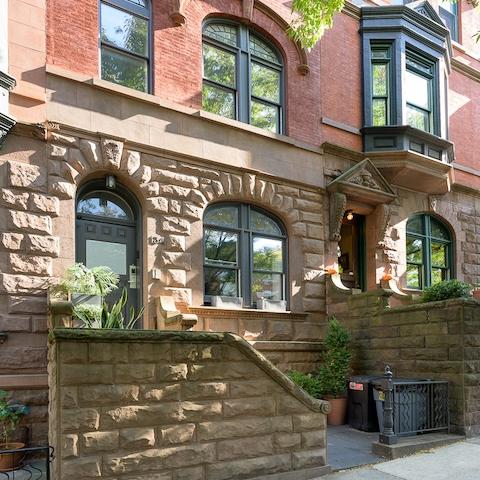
(107, 233)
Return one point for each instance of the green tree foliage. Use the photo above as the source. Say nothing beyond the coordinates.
(334, 371)
(314, 17)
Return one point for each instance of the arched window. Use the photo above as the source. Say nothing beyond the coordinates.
(242, 76)
(429, 251)
(244, 254)
(125, 42)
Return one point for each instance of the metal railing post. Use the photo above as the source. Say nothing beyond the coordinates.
(388, 436)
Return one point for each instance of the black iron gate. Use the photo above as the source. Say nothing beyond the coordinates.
(31, 463)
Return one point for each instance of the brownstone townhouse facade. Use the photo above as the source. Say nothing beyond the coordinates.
(204, 155)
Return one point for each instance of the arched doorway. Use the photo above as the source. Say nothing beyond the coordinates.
(108, 233)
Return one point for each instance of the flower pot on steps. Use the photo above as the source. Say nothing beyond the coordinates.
(338, 414)
(11, 461)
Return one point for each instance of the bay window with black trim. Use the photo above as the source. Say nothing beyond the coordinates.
(242, 76)
(381, 84)
(125, 43)
(245, 252)
(429, 252)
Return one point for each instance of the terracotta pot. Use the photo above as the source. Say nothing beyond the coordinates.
(11, 461)
(338, 415)
(476, 293)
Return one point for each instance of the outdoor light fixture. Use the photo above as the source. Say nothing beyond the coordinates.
(349, 214)
(110, 182)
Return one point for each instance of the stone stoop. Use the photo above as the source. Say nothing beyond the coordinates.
(412, 445)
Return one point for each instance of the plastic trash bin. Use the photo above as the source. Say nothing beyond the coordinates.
(362, 414)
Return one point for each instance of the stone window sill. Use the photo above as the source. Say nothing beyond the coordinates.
(153, 99)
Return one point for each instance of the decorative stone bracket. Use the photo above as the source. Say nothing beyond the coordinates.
(338, 205)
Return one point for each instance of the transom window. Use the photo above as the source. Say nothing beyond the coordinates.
(104, 204)
(429, 251)
(125, 42)
(419, 92)
(244, 254)
(242, 76)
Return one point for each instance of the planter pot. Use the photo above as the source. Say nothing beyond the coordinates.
(80, 298)
(476, 294)
(338, 415)
(272, 305)
(11, 461)
(227, 302)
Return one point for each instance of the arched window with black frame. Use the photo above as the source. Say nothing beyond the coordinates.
(245, 254)
(242, 75)
(429, 251)
(125, 43)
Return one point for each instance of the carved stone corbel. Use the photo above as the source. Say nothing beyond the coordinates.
(338, 205)
(178, 12)
(382, 218)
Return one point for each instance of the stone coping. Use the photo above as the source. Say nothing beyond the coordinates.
(287, 346)
(245, 312)
(155, 336)
(441, 304)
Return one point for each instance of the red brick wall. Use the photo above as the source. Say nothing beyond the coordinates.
(72, 35)
(73, 44)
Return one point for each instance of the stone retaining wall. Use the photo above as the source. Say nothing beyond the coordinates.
(437, 340)
(170, 406)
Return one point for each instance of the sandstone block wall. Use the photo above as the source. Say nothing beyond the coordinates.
(169, 405)
(437, 340)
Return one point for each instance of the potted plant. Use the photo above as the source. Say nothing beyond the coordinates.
(87, 289)
(333, 373)
(10, 414)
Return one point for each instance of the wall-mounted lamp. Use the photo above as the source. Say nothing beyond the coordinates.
(110, 182)
(349, 214)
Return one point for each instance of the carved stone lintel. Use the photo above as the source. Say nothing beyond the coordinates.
(247, 7)
(177, 14)
(338, 204)
(382, 217)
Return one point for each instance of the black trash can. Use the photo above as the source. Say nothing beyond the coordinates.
(362, 414)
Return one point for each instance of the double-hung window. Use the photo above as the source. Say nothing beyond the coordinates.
(419, 92)
(244, 254)
(242, 76)
(381, 85)
(448, 11)
(429, 251)
(125, 42)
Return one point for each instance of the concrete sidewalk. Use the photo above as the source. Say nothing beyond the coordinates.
(460, 461)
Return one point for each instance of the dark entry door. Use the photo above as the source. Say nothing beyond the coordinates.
(106, 235)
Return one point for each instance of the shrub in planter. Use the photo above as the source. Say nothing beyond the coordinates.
(308, 381)
(10, 415)
(445, 290)
(335, 369)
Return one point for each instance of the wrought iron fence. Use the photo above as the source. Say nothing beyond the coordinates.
(26, 463)
(420, 406)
